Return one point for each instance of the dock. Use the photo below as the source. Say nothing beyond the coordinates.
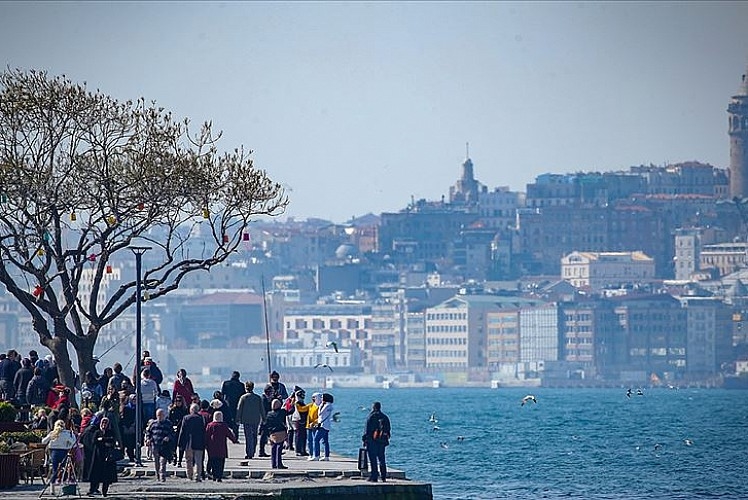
(249, 479)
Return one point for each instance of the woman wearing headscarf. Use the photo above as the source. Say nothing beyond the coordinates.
(275, 422)
(103, 466)
(216, 435)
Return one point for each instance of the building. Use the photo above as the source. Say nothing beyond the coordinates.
(737, 112)
(598, 270)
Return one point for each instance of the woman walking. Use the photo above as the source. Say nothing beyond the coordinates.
(216, 435)
(104, 458)
(322, 434)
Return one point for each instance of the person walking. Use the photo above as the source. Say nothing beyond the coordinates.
(275, 422)
(216, 435)
(250, 412)
(161, 438)
(177, 412)
(279, 388)
(376, 438)
(192, 441)
(103, 466)
(232, 391)
(299, 420)
(22, 379)
(148, 394)
(267, 400)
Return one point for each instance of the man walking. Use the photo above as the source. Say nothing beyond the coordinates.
(376, 437)
(192, 441)
(250, 413)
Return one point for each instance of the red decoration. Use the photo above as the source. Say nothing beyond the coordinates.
(245, 236)
(109, 269)
(225, 238)
(38, 290)
(92, 257)
(141, 205)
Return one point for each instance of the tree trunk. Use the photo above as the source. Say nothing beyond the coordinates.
(65, 372)
(84, 348)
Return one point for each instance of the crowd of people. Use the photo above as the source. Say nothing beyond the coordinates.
(180, 428)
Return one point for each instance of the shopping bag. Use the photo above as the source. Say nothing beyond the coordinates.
(363, 459)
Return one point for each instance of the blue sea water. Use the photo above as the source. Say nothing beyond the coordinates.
(572, 443)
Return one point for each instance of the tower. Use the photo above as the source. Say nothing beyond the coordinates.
(737, 112)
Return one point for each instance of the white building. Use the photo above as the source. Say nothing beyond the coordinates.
(597, 270)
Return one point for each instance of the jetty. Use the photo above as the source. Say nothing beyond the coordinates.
(248, 479)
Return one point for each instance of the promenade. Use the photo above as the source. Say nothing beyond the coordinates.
(337, 479)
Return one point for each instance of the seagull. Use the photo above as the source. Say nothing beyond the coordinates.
(528, 398)
(460, 438)
(436, 428)
(336, 416)
(323, 365)
(362, 408)
(639, 392)
(444, 445)
(688, 442)
(433, 418)
(628, 393)
(332, 344)
(657, 446)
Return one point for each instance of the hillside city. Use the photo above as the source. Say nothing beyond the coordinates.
(630, 277)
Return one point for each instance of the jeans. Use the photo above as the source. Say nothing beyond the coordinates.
(159, 461)
(300, 437)
(276, 455)
(217, 465)
(310, 433)
(57, 456)
(250, 439)
(321, 434)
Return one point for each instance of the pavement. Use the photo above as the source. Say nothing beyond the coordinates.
(243, 479)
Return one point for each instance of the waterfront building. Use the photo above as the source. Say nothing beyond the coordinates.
(709, 335)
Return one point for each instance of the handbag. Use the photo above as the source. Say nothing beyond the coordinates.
(363, 459)
(278, 437)
(114, 455)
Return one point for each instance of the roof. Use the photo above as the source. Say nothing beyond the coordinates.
(227, 298)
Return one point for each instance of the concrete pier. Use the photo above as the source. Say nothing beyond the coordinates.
(338, 479)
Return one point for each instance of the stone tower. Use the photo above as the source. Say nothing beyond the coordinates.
(738, 131)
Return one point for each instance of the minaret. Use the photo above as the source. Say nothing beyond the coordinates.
(737, 111)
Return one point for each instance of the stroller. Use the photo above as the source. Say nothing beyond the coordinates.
(67, 474)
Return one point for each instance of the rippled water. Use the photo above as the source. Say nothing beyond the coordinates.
(574, 443)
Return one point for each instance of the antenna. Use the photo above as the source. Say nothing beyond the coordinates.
(467, 150)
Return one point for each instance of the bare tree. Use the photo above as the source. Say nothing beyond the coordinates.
(84, 176)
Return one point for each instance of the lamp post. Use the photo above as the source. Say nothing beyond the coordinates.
(138, 251)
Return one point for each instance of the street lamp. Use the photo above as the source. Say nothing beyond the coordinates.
(138, 251)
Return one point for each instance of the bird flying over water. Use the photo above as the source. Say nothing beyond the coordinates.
(323, 365)
(528, 398)
(460, 438)
(433, 418)
(688, 442)
(332, 344)
(336, 416)
(628, 393)
(436, 428)
(444, 445)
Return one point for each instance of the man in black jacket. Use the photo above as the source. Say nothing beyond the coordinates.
(232, 391)
(376, 437)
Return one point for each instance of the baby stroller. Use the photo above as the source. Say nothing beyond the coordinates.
(67, 475)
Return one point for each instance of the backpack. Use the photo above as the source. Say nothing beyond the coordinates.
(380, 433)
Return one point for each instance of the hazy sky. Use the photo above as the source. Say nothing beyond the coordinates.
(356, 107)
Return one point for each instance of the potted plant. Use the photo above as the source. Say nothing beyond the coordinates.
(8, 466)
(8, 422)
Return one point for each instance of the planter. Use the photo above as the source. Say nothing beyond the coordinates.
(12, 427)
(8, 470)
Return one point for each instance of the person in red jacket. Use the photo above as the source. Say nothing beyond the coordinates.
(216, 435)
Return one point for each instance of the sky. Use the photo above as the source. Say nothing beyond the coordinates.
(360, 107)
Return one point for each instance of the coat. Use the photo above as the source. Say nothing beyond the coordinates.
(232, 390)
(183, 388)
(102, 470)
(251, 410)
(192, 432)
(216, 435)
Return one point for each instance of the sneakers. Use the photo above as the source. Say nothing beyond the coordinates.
(324, 459)
(312, 459)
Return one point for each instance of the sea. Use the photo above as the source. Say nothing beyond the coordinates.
(571, 443)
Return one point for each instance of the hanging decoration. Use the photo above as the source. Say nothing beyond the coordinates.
(245, 237)
(206, 213)
(111, 220)
(40, 252)
(141, 205)
(109, 269)
(38, 290)
(3, 198)
(225, 238)
(73, 216)
(92, 257)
